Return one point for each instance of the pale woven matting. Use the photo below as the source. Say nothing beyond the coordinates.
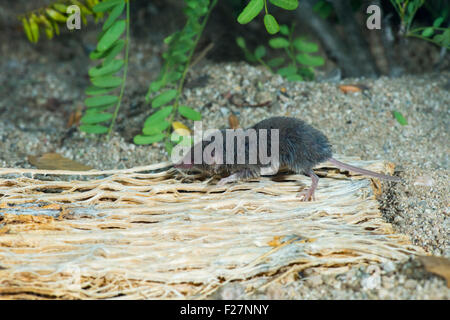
(135, 234)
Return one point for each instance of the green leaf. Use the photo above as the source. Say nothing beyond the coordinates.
(446, 38)
(26, 27)
(106, 82)
(278, 43)
(240, 42)
(60, 7)
(305, 46)
(169, 147)
(34, 28)
(260, 52)
(93, 128)
(106, 5)
(110, 54)
(252, 9)
(438, 38)
(249, 56)
(94, 118)
(323, 8)
(177, 57)
(95, 91)
(284, 30)
(192, 4)
(156, 85)
(141, 139)
(428, 32)
(164, 98)
(114, 51)
(189, 113)
(294, 77)
(156, 128)
(100, 100)
(115, 13)
(94, 55)
(99, 109)
(310, 61)
(306, 73)
(55, 15)
(49, 32)
(271, 24)
(287, 71)
(167, 40)
(438, 22)
(411, 7)
(286, 4)
(158, 116)
(173, 76)
(399, 117)
(275, 62)
(111, 35)
(110, 68)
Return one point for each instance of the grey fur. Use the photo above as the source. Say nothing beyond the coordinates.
(301, 148)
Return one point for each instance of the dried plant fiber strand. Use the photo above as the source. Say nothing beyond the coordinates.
(154, 233)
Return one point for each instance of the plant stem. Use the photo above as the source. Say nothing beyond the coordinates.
(426, 39)
(264, 64)
(188, 62)
(124, 77)
(290, 51)
(423, 28)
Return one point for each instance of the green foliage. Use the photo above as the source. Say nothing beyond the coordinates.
(323, 8)
(271, 24)
(254, 7)
(297, 64)
(168, 86)
(406, 10)
(400, 118)
(103, 76)
(50, 18)
(437, 34)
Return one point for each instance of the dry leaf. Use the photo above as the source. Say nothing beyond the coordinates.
(54, 161)
(233, 121)
(352, 88)
(180, 128)
(437, 265)
(74, 118)
(275, 242)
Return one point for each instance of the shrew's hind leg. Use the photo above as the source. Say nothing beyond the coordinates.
(308, 194)
(240, 175)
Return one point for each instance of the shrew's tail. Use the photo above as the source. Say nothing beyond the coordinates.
(363, 171)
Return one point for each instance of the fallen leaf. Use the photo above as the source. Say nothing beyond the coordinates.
(180, 128)
(275, 242)
(233, 121)
(54, 161)
(346, 88)
(400, 118)
(437, 265)
(74, 118)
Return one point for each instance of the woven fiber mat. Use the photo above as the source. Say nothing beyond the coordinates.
(153, 232)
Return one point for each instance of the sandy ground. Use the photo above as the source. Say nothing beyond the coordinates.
(41, 85)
